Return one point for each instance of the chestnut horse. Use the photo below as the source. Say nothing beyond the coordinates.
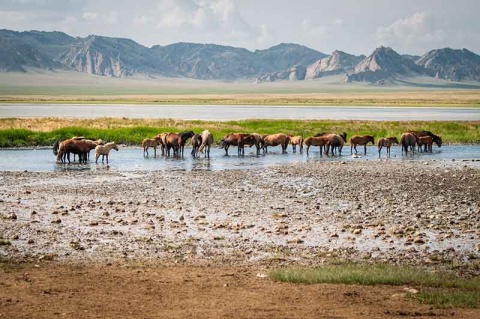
(151, 142)
(426, 141)
(275, 140)
(408, 140)
(386, 142)
(177, 142)
(206, 142)
(163, 141)
(334, 142)
(80, 147)
(296, 140)
(239, 140)
(319, 141)
(104, 150)
(360, 140)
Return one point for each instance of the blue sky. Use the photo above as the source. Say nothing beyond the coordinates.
(408, 26)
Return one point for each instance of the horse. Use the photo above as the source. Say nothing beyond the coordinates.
(386, 142)
(315, 141)
(296, 140)
(151, 142)
(236, 139)
(255, 139)
(104, 150)
(183, 138)
(275, 140)
(80, 147)
(360, 140)
(426, 141)
(335, 141)
(408, 140)
(196, 142)
(163, 142)
(437, 139)
(206, 142)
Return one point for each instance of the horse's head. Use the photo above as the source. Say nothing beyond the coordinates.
(344, 136)
(437, 139)
(371, 139)
(394, 140)
(223, 144)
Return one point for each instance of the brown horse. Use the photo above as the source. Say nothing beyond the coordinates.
(255, 139)
(296, 140)
(275, 140)
(335, 141)
(437, 139)
(206, 142)
(386, 142)
(196, 142)
(177, 142)
(237, 139)
(79, 147)
(319, 141)
(426, 141)
(408, 140)
(151, 142)
(360, 140)
(163, 141)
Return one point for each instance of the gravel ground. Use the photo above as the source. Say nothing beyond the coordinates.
(407, 212)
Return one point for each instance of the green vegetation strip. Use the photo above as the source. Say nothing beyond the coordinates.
(439, 289)
(132, 132)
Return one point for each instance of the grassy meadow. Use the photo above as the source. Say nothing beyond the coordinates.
(45, 131)
(437, 288)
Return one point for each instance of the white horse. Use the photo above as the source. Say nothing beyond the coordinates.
(207, 141)
(104, 150)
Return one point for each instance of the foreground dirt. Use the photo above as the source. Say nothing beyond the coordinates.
(190, 244)
(142, 291)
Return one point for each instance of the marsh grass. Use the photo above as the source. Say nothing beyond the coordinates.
(437, 288)
(45, 131)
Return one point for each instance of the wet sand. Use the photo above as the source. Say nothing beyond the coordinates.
(300, 214)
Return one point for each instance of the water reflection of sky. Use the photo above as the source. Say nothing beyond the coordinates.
(130, 159)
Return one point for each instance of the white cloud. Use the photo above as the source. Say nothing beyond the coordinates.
(419, 30)
(90, 15)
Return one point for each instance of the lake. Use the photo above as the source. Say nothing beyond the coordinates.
(240, 112)
(131, 159)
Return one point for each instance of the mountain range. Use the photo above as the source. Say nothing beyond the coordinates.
(120, 57)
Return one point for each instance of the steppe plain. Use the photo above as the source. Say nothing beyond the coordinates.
(163, 244)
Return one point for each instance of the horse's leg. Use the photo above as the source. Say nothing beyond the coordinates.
(351, 149)
(96, 158)
(365, 149)
(154, 151)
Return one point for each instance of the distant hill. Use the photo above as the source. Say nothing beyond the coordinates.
(119, 57)
(384, 64)
(449, 64)
(337, 63)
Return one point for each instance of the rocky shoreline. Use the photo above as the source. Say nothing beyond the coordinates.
(422, 213)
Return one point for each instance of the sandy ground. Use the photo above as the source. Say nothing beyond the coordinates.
(190, 244)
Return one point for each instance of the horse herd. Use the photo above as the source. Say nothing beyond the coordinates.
(173, 144)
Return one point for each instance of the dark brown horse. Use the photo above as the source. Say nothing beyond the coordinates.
(196, 142)
(360, 140)
(386, 142)
(177, 142)
(437, 139)
(408, 140)
(426, 141)
(275, 140)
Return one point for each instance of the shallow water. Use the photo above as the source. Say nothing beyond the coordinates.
(238, 112)
(131, 159)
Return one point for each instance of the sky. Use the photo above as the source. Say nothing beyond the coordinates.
(353, 26)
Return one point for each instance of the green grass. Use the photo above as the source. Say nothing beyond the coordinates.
(132, 132)
(439, 289)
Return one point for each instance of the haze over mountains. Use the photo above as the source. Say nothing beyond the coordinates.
(119, 57)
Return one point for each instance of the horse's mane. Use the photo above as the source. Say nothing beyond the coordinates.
(320, 134)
